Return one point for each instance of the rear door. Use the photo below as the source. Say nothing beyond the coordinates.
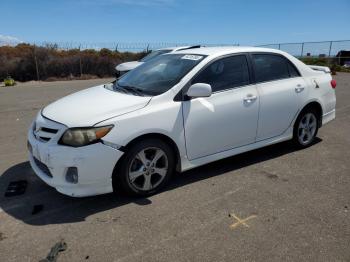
(229, 117)
(281, 90)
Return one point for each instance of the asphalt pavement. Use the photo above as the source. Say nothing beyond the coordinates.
(271, 204)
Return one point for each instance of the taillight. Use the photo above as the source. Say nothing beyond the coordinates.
(333, 83)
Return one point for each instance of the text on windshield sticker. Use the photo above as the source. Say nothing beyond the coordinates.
(192, 57)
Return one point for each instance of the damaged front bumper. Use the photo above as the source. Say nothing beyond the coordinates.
(94, 163)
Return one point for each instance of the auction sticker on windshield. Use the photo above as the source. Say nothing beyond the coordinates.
(192, 57)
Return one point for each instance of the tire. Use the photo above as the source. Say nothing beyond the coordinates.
(305, 128)
(145, 168)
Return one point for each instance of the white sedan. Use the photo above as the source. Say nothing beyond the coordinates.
(123, 68)
(176, 112)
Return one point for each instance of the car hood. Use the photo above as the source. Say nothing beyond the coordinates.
(92, 105)
(128, 66)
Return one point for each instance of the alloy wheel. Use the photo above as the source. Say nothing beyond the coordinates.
(148, 168)
(307, 128)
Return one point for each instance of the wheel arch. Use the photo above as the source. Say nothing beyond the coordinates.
(160, 136)
(316, 106)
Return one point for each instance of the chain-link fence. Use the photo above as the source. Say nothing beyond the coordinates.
(120, 46)
(329, 51)
(47, 60)
(313, 49)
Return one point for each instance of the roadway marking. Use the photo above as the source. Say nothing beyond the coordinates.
(240, 221)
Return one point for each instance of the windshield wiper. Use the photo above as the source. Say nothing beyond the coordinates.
(137, 91)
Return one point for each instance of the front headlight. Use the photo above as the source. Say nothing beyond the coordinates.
(84, 136)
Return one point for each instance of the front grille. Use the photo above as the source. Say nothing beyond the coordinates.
(43, 167)
(44, 134)
(49, 130)
(46, 130)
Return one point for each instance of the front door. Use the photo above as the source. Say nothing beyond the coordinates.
(229, 117)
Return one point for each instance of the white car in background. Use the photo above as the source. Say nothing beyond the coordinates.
(127, 66)
(346, 64)
(176, 112)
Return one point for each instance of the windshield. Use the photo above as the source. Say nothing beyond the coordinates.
(158, 75)
(154, 54)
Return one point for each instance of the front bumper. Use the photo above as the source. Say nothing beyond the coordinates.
(95, 164)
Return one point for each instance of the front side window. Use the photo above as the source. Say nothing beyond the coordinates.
(269, 67)
(225, 73)
(159, 74)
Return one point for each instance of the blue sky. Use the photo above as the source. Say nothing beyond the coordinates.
(247, 22)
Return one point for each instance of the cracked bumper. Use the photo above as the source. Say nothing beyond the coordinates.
(95, 164)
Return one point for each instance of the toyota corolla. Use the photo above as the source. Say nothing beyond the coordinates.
(176, 112)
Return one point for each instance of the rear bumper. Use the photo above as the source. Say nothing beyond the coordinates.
(326, 118)
(95, 164)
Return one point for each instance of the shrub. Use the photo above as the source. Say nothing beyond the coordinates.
(331, 62)
(23, 60)
(9, 81)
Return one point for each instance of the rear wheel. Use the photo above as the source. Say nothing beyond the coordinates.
(145, 168)
(305, 128)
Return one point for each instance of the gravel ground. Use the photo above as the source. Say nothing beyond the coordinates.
(272, 204)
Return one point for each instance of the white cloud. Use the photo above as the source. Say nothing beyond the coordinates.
(9, 40)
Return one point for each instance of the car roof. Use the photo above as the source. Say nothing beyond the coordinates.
(223, 50)
(214, 52)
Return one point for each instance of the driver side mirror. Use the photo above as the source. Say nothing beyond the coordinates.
(199, 90)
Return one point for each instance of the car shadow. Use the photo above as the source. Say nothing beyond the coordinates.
(59, 209)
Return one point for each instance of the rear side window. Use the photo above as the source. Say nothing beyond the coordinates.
(225, 73)
(272, 67)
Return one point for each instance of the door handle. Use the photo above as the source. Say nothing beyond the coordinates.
(250, 98)
(299, 88)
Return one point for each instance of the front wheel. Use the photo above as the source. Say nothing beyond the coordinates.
(305, 129)
(145, 168)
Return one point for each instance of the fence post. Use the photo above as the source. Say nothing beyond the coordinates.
(36, 64)
(147, 48)
(302, 49)
(330, 48)
(80, 64)
(279, 46)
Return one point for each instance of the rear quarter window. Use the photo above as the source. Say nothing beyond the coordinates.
(293, 72)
